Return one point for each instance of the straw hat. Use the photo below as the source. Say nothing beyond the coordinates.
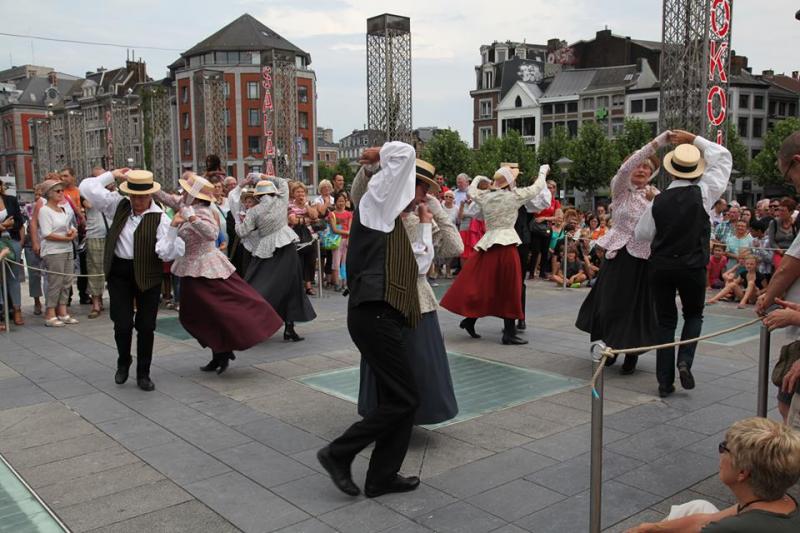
(507, 175)
(426, 172)
(265, 187)
(47, 185)
(685, 162)
(198, 187)
(246, 192)
(139, 182)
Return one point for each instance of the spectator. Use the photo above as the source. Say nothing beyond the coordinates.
(717, 265)
(13, 230)
(717, 213)
(462, 185)
(762, 210)
(541, 234)
(324, 205)
(759, 247)
(746, 287)
(96, 229)
(338, 183)
(573, 272)
(32, 259)
(73, 197)
(301, 216)
(594, 262)
(340, 219)
(747, 215)
(737, 241)
(782, 230)
(726, 228)
(600, 211)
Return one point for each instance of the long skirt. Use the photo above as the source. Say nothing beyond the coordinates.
(489, 284)
(477, 228)
(226, 314)
(428, 358)
(620, 310)
(279, 280)
(239, 256)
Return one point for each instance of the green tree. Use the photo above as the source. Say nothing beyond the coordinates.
(511, 149)
(739, 152)
(448, 153)
(487, 158)
(554, 147)
(635, 134)
(595, 159)
(764, 166)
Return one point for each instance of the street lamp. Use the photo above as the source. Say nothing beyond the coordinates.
(564, 165)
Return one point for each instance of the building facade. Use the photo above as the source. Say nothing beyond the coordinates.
(351, 146)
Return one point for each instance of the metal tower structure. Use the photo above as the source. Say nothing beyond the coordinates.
(282, 151)
(210, 128)
(159, 125)
(42, 158)
(76, 148)
(389, 76)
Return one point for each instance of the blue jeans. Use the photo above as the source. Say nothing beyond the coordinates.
(14, 276)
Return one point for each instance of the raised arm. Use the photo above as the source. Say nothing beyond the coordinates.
(390, 188)
(621, 182)
(537, 187)
(447, 241)
(474, 192)
(94, 190)
(717, 174)
(170, 200)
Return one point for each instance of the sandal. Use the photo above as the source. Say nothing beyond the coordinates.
(66, 319)
(37, 309)
(54, 323)
(94, 313)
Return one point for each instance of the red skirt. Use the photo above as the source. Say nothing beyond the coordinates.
(476, 230)
(226, 314)
(489, 284)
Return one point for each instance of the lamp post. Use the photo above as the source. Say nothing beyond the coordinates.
(564, 164)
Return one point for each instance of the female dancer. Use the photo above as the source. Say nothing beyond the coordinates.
(619, 309)
(209, 281)
(274, 269)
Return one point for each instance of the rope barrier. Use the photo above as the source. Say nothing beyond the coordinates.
(53, 272)
(609, 352)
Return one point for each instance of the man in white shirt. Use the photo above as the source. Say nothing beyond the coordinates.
(462, 188)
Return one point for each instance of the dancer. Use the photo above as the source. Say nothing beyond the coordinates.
(240, 199)
(678, 225)
(136, 244)
(274, 269)
(209, 282)
(382, 276)
(433, 235)
(619, 310)
(490, 284)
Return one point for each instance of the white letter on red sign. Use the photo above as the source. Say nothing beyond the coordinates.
(716, 91)
(717, 55)
(721, 31)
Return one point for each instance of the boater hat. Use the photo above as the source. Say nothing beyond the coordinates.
(426, 173)
(48, 185)
(139, 182)
(507, 173)
(265, 187)
(197, 187)
(685, 162)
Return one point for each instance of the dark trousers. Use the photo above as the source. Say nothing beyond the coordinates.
(523, 250)
(539, 247)
(83, 283)
(690, 285)
(376, 329)
(123, 292)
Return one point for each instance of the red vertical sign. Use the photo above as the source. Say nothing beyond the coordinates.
(718, 49)
(266, 116)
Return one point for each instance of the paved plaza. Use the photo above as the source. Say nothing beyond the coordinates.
(237, 452)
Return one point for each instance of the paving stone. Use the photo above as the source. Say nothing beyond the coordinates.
(366, 515)
(749, 400)
(572, 476)
(436, 453)
(673, 472)
(67, 387)
(509, 528)
(657, 442)
(98, 407)
(524, 424)
(245, 504)
(642, 417)
(308, 526)
(408, 527)
(227, 411)
(76, 467)
(572, 442)
(314, 494)
(484, 474)
(418, 502)
(207, 434)
(514, 500)
(21, 392)
(707, 446)
(182, 462)
(705, 394)
(123, 505)
(57, 451)
(460, 517)
(281, 436)
(136, 432)
(648, 515)
(263, 465)
(485, 435)
(187, 517)
(711, 419)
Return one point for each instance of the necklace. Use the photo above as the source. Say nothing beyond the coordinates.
(740, 508)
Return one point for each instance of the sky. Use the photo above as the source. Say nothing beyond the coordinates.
(446, 38)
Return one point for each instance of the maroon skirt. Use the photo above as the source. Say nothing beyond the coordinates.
(489, 284)
(226, 314)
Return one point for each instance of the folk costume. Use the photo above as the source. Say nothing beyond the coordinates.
(210, 284)
(240, 249)
(136, 245)
(490, 284)
(382, 276)
(274, 269)
(678, 226)
(619, 309)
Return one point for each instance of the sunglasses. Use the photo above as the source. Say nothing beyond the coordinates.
(722, 447)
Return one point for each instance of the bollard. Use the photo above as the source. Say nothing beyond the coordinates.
(596, 473)
(5, 298)
(564, 261)
(319, 268)
(763, 371)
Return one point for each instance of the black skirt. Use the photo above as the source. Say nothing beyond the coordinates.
(619, 310)
(428, 358)
(280, 281)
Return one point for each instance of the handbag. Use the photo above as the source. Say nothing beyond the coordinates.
(329, 240)
(789, 355)
(539, 229)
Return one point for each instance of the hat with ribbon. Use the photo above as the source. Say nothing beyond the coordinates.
(48, 185)
(265, 187)
(139, 182)
(504, 177)
(197, 187)
(427, 173)
(685, 162)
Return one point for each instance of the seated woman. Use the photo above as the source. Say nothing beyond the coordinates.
(574, 271)
(746, 286)
(759, 460)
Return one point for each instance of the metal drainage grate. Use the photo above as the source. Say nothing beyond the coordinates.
(21, 510)
(481, 386)
(719, 322)
(170, 326)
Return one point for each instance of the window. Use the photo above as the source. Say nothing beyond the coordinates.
(618, 100)
(484, 133)
(758, 101)
(226, 89)
(302, 94)
(744, 101)
(299, 62)
(782, 108)
(226, 116)
(253, 144)
(651, 105)
(754, 153)
(572, 128)
(743, 127)
(186, 121)
(304, 145)
(185, 94)
(228, 147)
(547, 127)
(488, 79)
(559, 108)
(616, 126)
(637, 106)
(602, 101)
(758, 126)
(572, 107)
(187, 147)
(588, 104)
(252, 90)
(792, 109)
(547, 109)
(485, 109)
(303, 120)
(500, 55)
(253, 117)
(518, 101)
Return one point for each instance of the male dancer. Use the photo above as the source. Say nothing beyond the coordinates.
(382, 277)
(678, 225)
(138, 240)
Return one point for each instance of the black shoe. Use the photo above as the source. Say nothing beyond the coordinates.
(121, 376)
(224, 361)
(211, 366)
(469, 325)
(663, 392)
(398, 484)
(611, 360)
(291, 335)
(629, 365)
(521, 324)
(340, 474)
(687, 379)
(513, 339)
(145, 384)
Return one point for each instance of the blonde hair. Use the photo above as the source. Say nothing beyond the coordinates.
(769, 451)
(324, 183)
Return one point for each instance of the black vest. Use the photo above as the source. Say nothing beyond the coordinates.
(147, 267)
(521, 225)
(683, 229)
(382, 267)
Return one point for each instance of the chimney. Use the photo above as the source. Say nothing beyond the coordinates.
(769, 73)
(796, 74)
(52, 77)
(606, 33)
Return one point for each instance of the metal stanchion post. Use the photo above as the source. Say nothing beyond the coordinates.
(763, 371)
(596, 475)
(5, 298)
(564, 260)
(319, 268)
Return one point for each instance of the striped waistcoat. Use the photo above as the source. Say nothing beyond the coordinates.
(147, 267)
(401, 274)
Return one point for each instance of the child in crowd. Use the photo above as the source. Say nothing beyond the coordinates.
(758, 247)
(574, 270)
(601, 228)
(593, 262)
(340, 220)
(746, 286)
(717, 264)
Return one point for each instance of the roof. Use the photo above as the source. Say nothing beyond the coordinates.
(654, 45)
(34, 91)
(784, 82)
(745, 78)
(570, 83)
(244, 33)
(610, 77)
(425, 134)
(322, 144)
